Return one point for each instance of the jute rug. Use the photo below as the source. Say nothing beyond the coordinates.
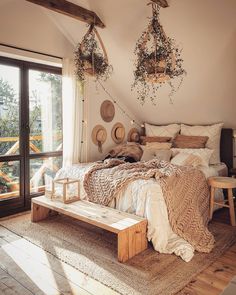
(93, 252)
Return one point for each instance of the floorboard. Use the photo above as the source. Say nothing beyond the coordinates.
(27, 269)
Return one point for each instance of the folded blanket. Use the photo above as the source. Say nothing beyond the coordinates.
(184, 188)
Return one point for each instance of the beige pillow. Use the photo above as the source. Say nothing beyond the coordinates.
(170, 130)
(159, 145)
(150, 154)
(203, 154)
(213, 132)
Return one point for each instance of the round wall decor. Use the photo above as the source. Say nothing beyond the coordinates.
(118, 133)
(99, 136)
(133, 135)
(107, 110)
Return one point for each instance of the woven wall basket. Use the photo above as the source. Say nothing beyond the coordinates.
(107, 111)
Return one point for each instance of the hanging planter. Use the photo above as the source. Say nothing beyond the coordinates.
(158, 61)
(91, 57)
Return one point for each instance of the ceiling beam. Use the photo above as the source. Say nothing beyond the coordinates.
(70, 9)
(162, 3)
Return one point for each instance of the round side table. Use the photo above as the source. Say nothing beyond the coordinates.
(225, 183)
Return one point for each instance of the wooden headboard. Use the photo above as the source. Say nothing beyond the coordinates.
(226, 147)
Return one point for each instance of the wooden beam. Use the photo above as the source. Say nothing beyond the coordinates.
(162, 3)
(70, 9)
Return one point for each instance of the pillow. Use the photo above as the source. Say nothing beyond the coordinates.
(145, 139)
(158, 145)
(194, 142)
(213, 132)
(203, 154)
(168, 130)
(184, 159)
(150, 154)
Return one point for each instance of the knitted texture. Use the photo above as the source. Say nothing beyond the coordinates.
(185, 191)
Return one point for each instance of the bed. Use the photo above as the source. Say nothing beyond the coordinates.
(145, 198)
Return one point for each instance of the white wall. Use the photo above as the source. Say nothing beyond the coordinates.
(207, 31)
(95, 96)
(26, 25)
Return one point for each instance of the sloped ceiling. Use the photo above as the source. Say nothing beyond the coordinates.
(206, 29)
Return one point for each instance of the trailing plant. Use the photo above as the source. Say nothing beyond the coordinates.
(90, 58)
(158, 61)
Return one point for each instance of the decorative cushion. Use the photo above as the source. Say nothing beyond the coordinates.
(213, 132)
(150, 154)
(159, 145)
(194, 142)
(145, 139)
(165, 130)
(203, 156)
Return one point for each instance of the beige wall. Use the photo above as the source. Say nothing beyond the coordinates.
(26, 25)
(207, 31)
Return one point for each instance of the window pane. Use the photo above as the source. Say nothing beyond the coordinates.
(9, 179)
(42, 172)
(9, 110)
(45, 112)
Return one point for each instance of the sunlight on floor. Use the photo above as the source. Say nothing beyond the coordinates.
(41, 276)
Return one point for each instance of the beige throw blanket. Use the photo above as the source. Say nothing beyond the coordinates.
(185, 191)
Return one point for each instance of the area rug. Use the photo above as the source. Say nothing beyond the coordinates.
(93, 252)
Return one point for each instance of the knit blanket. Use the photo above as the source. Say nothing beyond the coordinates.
(185, 191)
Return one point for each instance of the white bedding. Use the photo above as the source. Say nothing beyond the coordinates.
(144, 198)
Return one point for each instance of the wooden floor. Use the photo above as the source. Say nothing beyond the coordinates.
(27, 269)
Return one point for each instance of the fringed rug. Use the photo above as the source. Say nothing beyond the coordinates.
(93, 252)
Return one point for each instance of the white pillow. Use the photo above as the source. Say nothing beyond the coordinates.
(180, 158)
(213, 132)
(165, 130)
(150, 154)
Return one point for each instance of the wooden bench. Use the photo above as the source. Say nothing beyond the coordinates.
(130, 229)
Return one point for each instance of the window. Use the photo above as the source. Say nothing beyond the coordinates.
(30, 131)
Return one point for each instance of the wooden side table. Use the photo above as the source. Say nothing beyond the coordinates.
(225, 183)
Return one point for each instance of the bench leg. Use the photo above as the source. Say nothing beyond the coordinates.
(231, 207)
(212, 197)
(132, 241)
(38, 212)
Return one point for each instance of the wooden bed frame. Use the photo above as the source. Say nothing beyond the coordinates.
(226, 147)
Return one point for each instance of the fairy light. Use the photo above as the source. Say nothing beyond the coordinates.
(132, 121)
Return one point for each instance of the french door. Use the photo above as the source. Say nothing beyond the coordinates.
(30, 131)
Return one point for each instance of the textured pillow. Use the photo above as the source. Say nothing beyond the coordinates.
(159, 145)
(203, 154)
(192, 142)
(145, 139)
(166, 130)
(213, 132)
(150, 154)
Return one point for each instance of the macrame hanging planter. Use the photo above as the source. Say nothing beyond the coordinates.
(157, 62)
(91, 57)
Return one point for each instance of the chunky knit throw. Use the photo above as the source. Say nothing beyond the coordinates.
(185, 191)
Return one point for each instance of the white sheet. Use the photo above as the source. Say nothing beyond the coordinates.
(144, 198)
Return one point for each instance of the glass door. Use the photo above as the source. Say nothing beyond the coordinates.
(11, 158)
(30, 131)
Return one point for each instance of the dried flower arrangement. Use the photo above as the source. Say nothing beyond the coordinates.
(90, 58)
(158, 61)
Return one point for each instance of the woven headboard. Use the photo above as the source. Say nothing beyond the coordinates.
(226, 147)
